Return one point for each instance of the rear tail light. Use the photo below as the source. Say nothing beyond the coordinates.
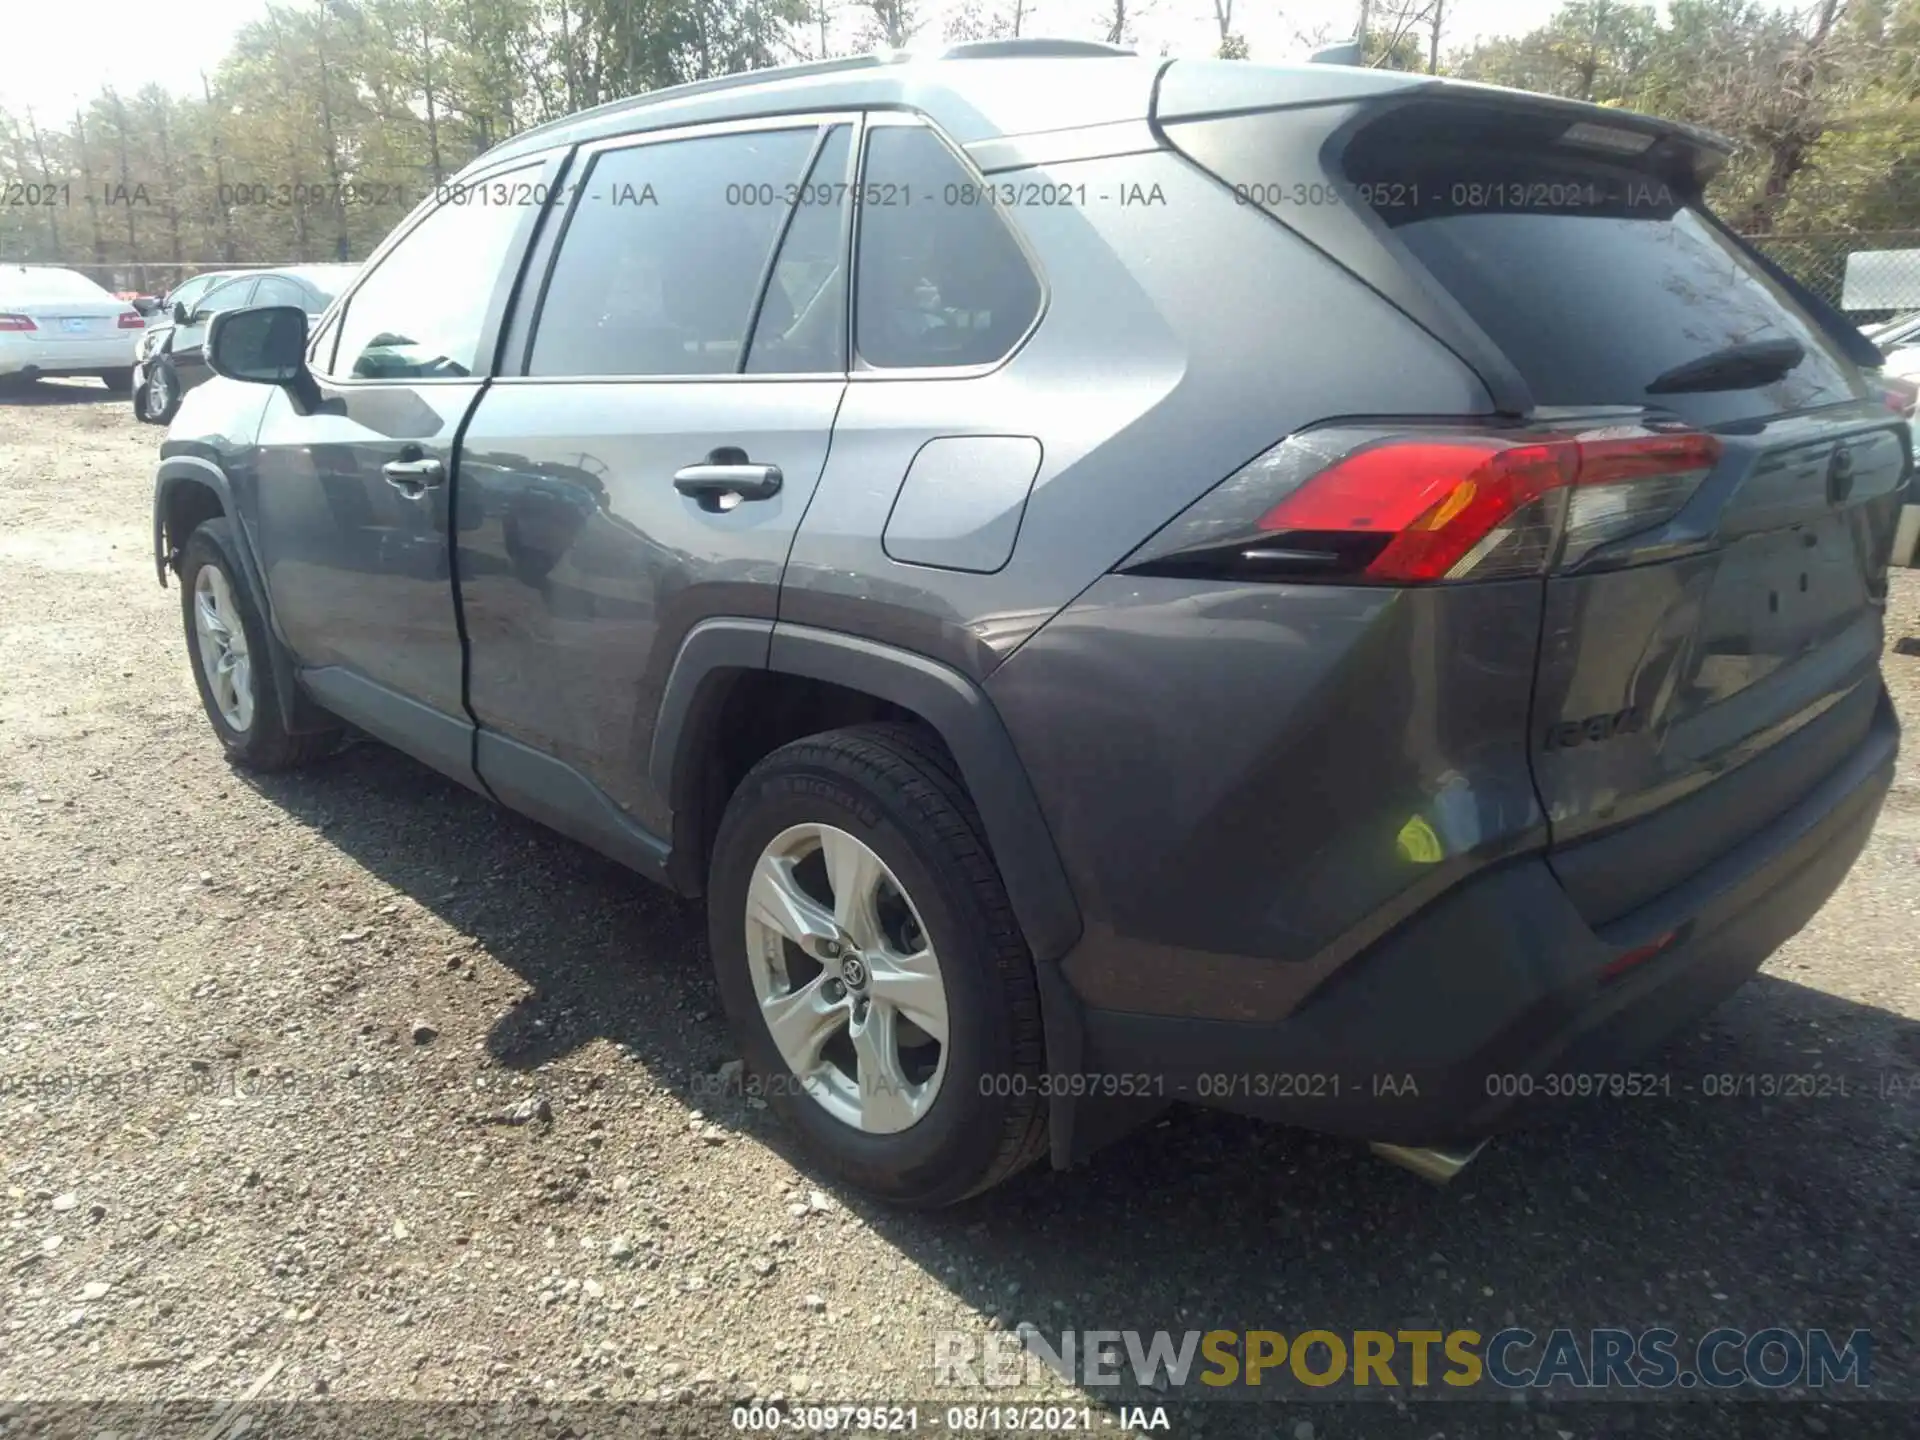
(17, 322)
(1900, 394)
(130, 320)
(1414, 508)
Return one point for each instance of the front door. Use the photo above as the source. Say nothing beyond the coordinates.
(354, 498)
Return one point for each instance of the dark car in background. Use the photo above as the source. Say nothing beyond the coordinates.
(160, 321)
(1100, 626)
(173, 361)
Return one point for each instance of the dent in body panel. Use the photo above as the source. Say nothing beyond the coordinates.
(959, 506)
(1720, 655)
(1248, 783)
(582, 567)
(1148, 380)
(1724, 652)
(359, 573)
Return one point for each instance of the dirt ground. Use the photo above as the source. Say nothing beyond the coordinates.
(262, 1040)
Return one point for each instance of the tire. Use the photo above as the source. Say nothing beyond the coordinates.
(120, 382)
(243, 710)
(893, 789)
(162, 394)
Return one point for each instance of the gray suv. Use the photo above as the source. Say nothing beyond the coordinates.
(1340, 595)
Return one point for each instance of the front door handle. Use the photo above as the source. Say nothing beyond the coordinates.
(413, 477)
(725, 478)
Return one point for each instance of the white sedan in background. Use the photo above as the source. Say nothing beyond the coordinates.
(58, 322)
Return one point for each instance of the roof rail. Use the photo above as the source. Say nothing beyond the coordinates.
(700, 87)
(1035, 48)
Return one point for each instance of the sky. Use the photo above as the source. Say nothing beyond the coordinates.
(71, 48)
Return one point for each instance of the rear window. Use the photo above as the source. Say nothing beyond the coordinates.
(1592, 276)
(27, 284)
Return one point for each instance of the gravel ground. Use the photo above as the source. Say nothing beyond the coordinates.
(264, 1043)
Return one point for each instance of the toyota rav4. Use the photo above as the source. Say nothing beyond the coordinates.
(1317, 591)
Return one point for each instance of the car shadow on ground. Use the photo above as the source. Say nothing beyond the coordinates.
(1778, 1202)
(60, 392)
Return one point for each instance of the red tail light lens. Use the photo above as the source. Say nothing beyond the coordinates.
(130, 320)
(1401, 508)
(1900, 394)
(1433, 502)
(17, 322)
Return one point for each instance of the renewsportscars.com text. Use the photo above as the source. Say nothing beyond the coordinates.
(1515, 1358)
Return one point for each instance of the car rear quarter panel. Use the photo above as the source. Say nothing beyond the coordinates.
(1249, 783)
(1182, 335)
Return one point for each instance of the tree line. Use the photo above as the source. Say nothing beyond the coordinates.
(327, 120)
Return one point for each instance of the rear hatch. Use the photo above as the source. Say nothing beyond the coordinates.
(1714, 616)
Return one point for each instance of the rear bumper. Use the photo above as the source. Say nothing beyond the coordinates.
(1489, 1004)
(91, 356)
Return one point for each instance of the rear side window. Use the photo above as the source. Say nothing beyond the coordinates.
(802, 325)
(664, 254)
(419, 315)
(942, 281)
(1592, 276)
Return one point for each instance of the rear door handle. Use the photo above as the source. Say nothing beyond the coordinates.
(727, 472)
(411, 477)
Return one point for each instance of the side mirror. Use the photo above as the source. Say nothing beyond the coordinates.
(263, 345)
(179, 312)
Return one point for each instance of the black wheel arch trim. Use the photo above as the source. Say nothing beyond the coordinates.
(957, 709)
(297, 713)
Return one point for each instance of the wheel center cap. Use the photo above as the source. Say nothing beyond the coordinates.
(853, 972)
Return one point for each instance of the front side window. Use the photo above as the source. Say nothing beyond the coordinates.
(278, 290)
(190, 292)
(229, 296)
(664, 254)
(941, 279)
(419, 314)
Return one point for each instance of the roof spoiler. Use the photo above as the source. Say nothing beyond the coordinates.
(1347, 52)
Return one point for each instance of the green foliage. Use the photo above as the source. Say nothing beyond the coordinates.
(1823, 106)
(328, 120)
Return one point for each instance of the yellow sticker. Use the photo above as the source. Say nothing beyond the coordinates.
(1418, 843)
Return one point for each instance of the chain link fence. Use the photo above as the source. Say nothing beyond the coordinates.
(1888, 272)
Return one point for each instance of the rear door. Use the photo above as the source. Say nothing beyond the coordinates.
(1722, 617)
(642, 462)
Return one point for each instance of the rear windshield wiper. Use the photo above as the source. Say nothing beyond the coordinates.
(1738, 367)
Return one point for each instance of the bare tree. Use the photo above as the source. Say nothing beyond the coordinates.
(1232, 46)
(46, 175)
(894, 23)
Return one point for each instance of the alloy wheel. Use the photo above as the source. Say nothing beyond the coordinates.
(847, 978)
(159, 393)
(223, 647)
